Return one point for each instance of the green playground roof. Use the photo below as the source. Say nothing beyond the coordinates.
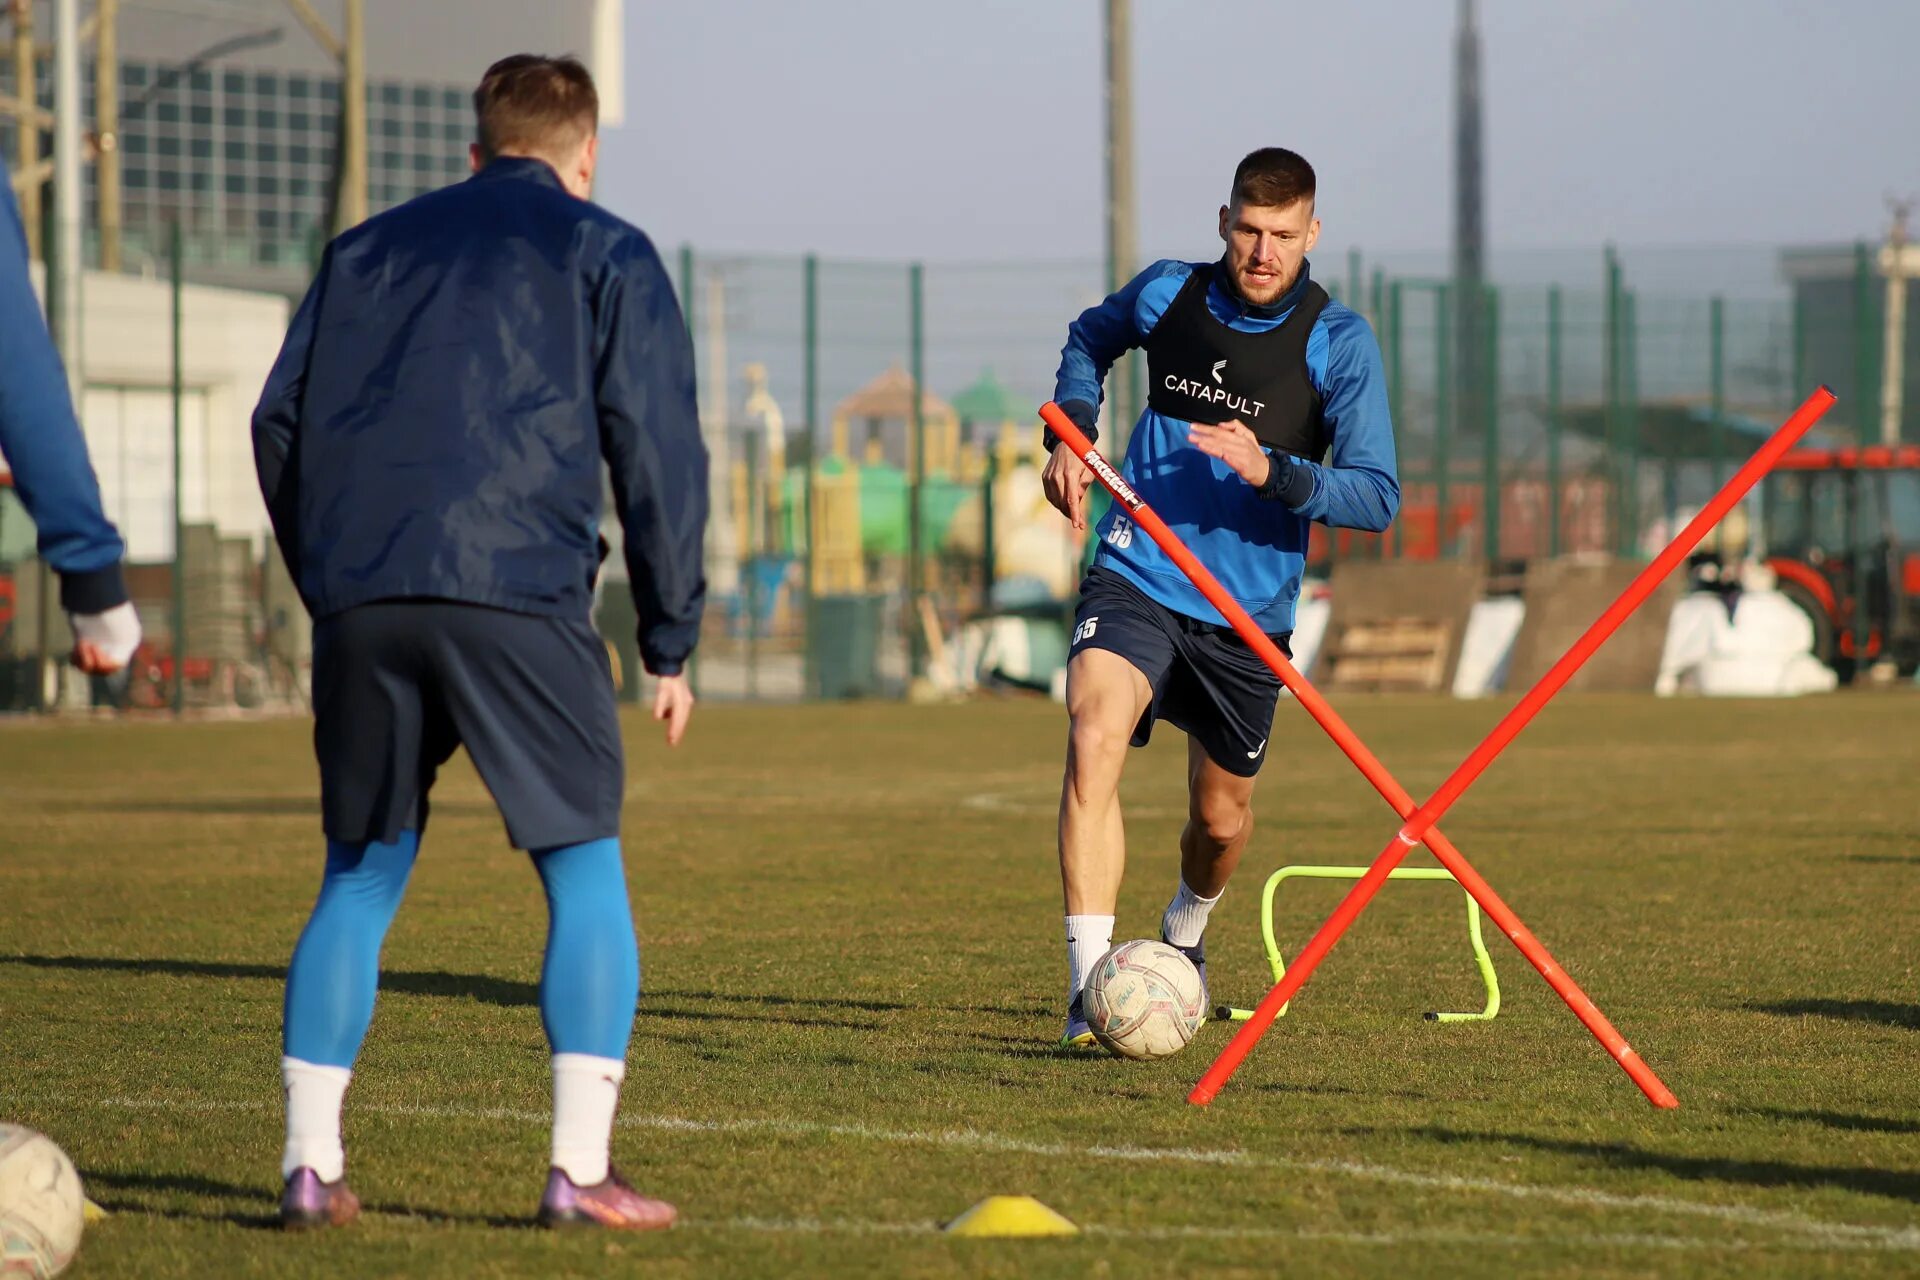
(988, 401)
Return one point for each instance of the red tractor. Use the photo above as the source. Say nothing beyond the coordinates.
(1841, 530)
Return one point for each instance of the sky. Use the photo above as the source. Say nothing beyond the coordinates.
(973, 130)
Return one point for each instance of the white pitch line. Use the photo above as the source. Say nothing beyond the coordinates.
(1901, 1239)
(1047, 807)
(1377, 1239)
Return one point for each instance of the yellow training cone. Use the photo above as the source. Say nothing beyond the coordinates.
(91, 1211)
(1011, 1216)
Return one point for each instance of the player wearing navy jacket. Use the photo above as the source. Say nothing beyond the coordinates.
(431, 445)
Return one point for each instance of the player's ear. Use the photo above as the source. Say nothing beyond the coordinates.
(1313, 234)
(589, 161)
(1225, 213)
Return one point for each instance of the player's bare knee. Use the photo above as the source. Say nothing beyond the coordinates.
(1096, 747)
(1220, 820)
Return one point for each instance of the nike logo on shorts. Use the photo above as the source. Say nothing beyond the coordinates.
(1255, 753)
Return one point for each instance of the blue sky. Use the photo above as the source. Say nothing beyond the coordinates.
(973, 130)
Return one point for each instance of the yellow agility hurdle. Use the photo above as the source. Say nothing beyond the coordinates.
(1227, 1013)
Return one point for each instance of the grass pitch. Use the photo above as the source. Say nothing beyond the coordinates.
(851, 937)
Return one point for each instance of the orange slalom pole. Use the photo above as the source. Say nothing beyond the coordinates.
(1376, 773)
(1420, 825)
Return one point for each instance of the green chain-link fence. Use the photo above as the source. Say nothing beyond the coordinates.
(859, 527)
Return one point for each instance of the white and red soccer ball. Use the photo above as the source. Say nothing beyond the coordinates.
(1144, 1000)
(42, 1209)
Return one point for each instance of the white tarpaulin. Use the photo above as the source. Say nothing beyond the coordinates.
(1486, 646)
(1764, 650)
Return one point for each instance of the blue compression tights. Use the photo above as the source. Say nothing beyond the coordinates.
(588, 985)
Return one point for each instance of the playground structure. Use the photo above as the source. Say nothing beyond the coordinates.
(830, 606)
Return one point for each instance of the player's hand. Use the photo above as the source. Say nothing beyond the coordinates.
(673, 702)
(1066, 481)
(1234, 444)
(103, 642)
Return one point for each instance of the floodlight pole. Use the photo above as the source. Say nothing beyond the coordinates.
(350, 51)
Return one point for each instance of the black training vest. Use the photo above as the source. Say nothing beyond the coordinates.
(1199, 370)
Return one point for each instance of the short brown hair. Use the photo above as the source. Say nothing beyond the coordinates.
(532, 103)
(1273, 177)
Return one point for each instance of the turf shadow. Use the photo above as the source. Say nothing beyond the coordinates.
(743, 1012)
(1838, 1120)
(1895, 1184)
(469, 986)
(1884, 1012)
(1053, 1053)
(482, 987)
(119, 1192)
(863, 1006)
(122, 1195)
(1337, 1090)
(260, 806)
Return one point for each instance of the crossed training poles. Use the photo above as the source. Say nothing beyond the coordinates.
(1419, 824)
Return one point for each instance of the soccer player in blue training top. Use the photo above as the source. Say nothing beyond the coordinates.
(1266, 409)
(430, 445)
(41, 441)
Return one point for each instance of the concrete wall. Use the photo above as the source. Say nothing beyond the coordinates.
(229, 343)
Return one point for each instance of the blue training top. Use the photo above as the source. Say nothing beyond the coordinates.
(42, 442)
(1254, 543)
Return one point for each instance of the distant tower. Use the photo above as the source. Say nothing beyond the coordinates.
(1469, 229)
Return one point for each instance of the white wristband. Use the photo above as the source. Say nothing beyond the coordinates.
(116, 633)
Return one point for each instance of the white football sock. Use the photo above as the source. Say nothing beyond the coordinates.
(1088, 938)
(314, 1094)
(1186, 917)
(586, 1093)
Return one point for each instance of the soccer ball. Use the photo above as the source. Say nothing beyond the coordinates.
(1144, 1000)
(41, 1206)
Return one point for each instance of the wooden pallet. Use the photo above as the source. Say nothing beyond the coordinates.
(1391, 655)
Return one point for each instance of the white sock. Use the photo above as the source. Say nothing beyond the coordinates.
(314, 1094)
(1186, 917)
(1088, 938)
(586, 1093)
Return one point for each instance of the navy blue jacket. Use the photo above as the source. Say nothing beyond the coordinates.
(41, 441)
(458, 371)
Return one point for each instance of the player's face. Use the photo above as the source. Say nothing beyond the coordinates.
(1266, 245)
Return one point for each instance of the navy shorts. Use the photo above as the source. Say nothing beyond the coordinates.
(1205, 679)
(398, 684)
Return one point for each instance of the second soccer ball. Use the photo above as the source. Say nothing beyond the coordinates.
(41, 1205)
(1144, 1000)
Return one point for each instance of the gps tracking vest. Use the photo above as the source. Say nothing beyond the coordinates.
(1199, 370)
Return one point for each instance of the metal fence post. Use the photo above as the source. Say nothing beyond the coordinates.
(1396, 382)
(917, 355)
(1717, 354)
(751, 554)
(1553, 422)
(989, 549)
(1490, 483)
(1866, 345)
(1630, 406)
(1610, 415)
(810, 374)
(1442, 413)
(686, 311)
(179, 526)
